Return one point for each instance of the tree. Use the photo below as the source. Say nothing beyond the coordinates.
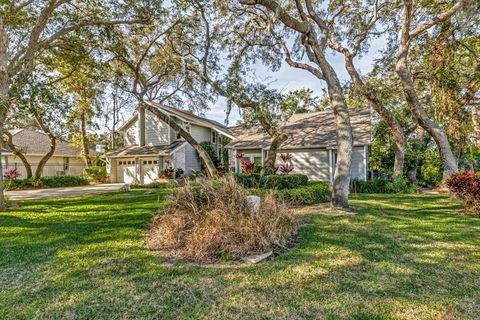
(352, 26)
(407, 34)
(311, 28)
(27, 29)
(149, 61)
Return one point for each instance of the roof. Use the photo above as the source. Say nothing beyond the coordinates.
(38, 143)
(184, 115)
(306, 130)
(134, 150)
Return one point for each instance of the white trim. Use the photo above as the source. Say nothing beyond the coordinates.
(365, 162)
(330, 164)
(285, 148)
(177, 148)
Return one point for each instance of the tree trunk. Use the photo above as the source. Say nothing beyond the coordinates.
(46, 157)
(207, 161)
(385, 114)
(269, 163)
(476, 124)
(341, 181)
(4, 89)
(83, 135)
(18, 153)
(53, 143)
(438, 134)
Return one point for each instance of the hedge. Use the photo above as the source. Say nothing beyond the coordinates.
(313, 193)
(45, 182)
(400, 185)
(95, 173)
(278, 181)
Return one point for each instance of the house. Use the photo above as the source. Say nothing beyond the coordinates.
(34, 145)
(312, 140)
(150, 145)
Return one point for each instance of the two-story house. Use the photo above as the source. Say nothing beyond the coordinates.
(150, 145)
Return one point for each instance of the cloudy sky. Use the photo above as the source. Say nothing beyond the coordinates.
(288, 78)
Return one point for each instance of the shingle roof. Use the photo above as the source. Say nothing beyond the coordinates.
(133, 150)
(37, 143)
(306, 130)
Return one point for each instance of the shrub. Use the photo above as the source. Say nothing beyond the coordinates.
(467, 186)
(432, 169)
(399, 185)
(206, 222)
(95, 173)
(47, 182)
(272, 181)
(313, 193)
(11, 174)
(283, 181)
(60, 181)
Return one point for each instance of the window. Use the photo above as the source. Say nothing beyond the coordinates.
(214, 136)
(155, 162)
(66, 163)
(144, 162)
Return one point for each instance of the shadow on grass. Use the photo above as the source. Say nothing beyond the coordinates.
(399, 256)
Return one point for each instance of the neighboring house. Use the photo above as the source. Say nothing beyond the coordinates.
(312, 141)
(151, 145)
(34, 145)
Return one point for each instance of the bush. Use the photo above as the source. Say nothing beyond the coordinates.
(313, 193)
(95, 173)
(399, 185)
(272, 181)
(467, 186)
(432, 169)
(210, 221)
(46, 182)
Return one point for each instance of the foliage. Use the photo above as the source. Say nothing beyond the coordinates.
(312, 193)
(286, 167)
(170, 173)
(248, 168)
(95, 173)
(153, 185)
(432, 169)
(272, 181)
(376, 185)
(47, 182)
(213, 221)
(11, 174)
(467, 186)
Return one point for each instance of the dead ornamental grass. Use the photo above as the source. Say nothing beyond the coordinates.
(212, 220)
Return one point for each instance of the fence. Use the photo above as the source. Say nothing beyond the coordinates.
(50, 169)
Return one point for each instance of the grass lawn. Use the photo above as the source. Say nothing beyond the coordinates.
(400, 257)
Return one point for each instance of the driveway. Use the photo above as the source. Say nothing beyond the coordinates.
(63, 192)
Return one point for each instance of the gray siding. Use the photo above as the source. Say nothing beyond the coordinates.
(313, 163)
(131, 135)
(200, 134)
(358, 163)
(191, 160)
(156, 131)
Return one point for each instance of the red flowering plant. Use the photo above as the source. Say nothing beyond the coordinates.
(247, 166)
(286, 167)
(11, 174)
(467, 186)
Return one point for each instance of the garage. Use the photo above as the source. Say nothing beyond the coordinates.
(126, 170)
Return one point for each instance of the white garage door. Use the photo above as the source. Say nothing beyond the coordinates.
(150, 171)
(126, 171)
(314, 164)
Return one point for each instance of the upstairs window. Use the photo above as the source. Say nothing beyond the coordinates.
(186, 127)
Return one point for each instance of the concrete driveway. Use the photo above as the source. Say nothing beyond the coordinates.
(63, 192)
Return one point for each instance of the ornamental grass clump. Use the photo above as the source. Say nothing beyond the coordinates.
(214, 220)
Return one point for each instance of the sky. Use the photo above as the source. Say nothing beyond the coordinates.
(288, 78)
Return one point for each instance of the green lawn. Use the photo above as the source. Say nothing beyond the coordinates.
(400, 257)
